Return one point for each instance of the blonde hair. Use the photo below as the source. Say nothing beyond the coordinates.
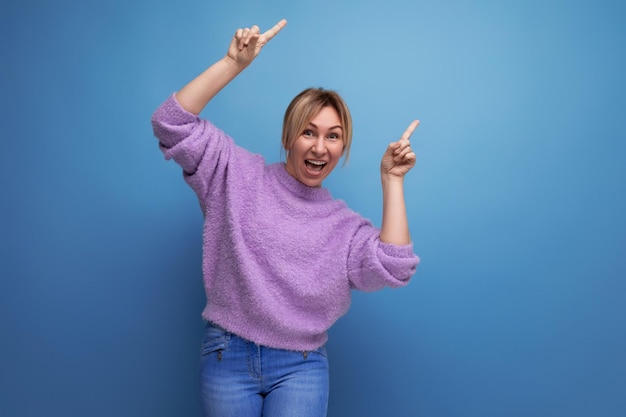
(305, 106)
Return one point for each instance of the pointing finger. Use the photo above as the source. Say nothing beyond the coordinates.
(274, 30)
(409, 131)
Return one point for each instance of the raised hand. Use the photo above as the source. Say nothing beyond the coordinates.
(244, 47)
(399, 158)
(248, 42)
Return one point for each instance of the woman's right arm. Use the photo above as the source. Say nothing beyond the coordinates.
(244, 47)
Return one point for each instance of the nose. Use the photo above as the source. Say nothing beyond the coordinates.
(319, 147)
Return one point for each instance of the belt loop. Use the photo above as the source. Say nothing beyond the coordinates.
(305, 354)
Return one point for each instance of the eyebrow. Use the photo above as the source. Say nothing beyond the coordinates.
(330, 128)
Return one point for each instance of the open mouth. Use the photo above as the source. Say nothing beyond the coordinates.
(314, 166)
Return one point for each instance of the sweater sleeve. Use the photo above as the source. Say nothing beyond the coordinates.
(373, 264)
(198, 146)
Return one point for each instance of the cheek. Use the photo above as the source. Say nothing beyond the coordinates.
(338, 150)
(298, 146)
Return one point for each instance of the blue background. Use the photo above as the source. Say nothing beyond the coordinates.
(516, 204)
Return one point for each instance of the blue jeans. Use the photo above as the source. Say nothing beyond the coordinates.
(239, 378)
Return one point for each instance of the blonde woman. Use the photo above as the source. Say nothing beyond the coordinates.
(280, 255)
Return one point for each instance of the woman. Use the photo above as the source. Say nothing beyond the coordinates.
(280, 255)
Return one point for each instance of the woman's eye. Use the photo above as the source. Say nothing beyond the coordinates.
(307, 132)
(333, 136)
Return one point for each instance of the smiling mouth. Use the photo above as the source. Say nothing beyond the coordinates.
(314, 166)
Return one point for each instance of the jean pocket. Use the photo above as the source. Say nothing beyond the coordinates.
(215, 339)
(320, 351)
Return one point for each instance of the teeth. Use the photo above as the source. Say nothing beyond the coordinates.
(316, 162)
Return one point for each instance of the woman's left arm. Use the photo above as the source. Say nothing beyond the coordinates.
(398, 159)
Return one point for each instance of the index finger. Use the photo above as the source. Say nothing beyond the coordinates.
(274, 30)
(409, 130)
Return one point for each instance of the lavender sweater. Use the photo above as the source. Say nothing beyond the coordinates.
(279, 257)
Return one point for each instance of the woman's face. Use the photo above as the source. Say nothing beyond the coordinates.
(318, 148)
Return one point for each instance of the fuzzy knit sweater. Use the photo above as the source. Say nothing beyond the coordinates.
(279, 258)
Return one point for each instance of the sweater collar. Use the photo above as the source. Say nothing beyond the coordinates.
(296, 187)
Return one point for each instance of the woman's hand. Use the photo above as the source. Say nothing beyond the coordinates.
(244, 47)
(247, 43)
(399, 158)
